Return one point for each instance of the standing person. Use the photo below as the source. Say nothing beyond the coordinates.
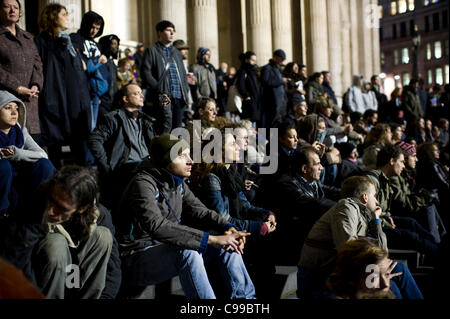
(411, 101)
(109, 47)
(138, 56)
(64, 105)
(354, 97)
(205, 74)
(21, 66)
(274, 95)
(184, 50)
(156, 240)
(382, 100)
(222, 85)
(91, 27)
(249, 87)
(327, 86)
(168, 78)
(369, 97)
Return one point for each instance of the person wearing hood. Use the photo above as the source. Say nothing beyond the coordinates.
(205, 74)
(109, 47)
(92, 26)
(64, 105)
(274, 94)
(159, 229)
(249, 87)
(164, 76)
(354, 97)
(21, 66)
(23, 164)
(369, 97)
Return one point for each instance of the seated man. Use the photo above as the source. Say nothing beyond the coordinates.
(165, 231)
(65, 237)
(402, 232)
(301, 197)
(120, 142)
(356, 215)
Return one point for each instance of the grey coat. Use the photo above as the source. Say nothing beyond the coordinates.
(154, 210)
(206, 81)
(347, 220)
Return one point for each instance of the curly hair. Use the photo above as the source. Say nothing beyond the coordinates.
(48, 19)
(378, 134)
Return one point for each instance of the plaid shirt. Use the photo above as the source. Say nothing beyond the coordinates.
(175, 86)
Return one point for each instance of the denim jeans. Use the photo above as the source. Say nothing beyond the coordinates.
(95, 105)
(158, 263)
(21, 178)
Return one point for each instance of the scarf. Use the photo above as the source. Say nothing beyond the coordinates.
(63, 35)
(14, 137)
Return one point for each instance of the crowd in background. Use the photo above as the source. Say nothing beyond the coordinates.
(130, 214)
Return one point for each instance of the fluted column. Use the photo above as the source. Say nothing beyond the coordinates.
(376, 40)
(335, 45)
(365, 38)
(230, 31)
(346, 47)
(317, 33)
(74, 10)
(204, 28)
(175, 12)
(259, 31)
(282, 27)
(354, 40)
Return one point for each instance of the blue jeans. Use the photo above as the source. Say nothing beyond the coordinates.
(404, 286)
(159, 263)
(95, 105)
(21, 178)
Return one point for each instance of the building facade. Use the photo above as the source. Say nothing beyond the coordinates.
(341, 36)
(414, 34)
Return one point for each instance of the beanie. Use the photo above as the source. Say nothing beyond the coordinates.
(406, 148)
(165, 145)
(296, 99)
(345, 149)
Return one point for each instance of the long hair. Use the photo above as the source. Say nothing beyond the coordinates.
(48, 19)
(82, 188)
(378, 134)
(350, 269)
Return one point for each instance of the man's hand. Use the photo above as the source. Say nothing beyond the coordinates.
(348, 128)
(164, 100)
(248, 184)
(271, 223)
(392, 222)
(377, 213)
(335, 155)
(102, 59)
(320, 147)
(232, 241)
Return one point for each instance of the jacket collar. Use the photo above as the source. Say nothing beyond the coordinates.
(19, 32)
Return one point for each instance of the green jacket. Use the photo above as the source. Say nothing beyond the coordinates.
(406, 201)
(384, 194)
(411, 104)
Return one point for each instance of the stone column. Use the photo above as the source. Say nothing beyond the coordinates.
(230, 31)
(317, 35)
(74, 10)
(354, 40)
(365, 38)
(175, 12)
(346, 46)
(204, 28)
(259, 30)
(282, 27)
(376, 40)
(335, 45)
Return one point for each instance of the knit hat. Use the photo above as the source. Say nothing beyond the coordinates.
(200, 55)
(345, 149)
(296, 99)
(406, 148)
(280, 53)
(164, 149)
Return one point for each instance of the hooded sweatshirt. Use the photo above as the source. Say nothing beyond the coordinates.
(29, 151)
(82, 39)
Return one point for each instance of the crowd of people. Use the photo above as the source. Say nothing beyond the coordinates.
(167, 170)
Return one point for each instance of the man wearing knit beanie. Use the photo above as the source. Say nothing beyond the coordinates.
(407, 149)
(159, 222)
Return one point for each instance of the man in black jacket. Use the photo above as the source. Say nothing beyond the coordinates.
(64, 241)
(165, 231)
(163, 73)
(120, 142)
